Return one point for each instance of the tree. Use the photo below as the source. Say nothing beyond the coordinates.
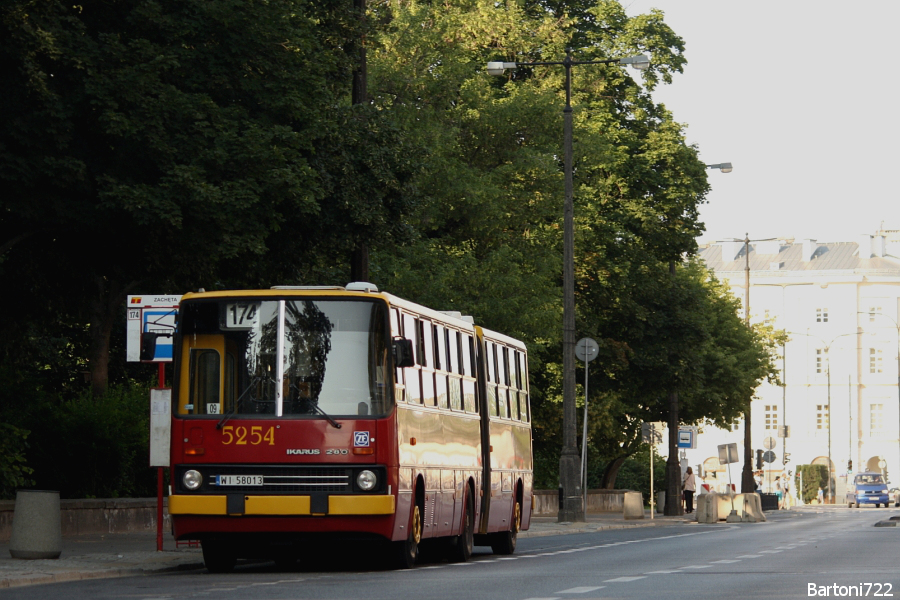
(170, 145)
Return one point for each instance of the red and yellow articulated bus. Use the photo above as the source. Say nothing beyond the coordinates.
(309, 414)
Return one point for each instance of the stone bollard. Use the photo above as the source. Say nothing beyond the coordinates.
(633, 506)
(661, 502)
(36, 530)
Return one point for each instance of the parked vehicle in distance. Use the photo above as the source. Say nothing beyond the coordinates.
(868, 488)
(894, 496)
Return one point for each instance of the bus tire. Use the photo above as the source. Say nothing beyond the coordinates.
(218, 557)
(407, 551)
(464, 543)
(505, 541)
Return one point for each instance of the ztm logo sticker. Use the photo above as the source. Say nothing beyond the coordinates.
(361, 439)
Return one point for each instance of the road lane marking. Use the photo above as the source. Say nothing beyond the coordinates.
(750, 556)
(697, 567)
(581, 590)
(770, 551)
(724, 562)
(623, 579)
(660, 572)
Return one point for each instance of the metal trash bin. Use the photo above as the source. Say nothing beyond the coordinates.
(769, 501)
(36, 528)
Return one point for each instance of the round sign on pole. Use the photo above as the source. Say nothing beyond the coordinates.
(769, 443)
(586, 349)
(768, 456)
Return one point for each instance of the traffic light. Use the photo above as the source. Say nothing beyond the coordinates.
(849, 466)
(787, 458)
(759, 463)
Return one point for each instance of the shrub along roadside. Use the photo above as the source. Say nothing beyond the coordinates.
(91, 447)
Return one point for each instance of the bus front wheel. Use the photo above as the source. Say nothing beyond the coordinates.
(218, 557)
(408, 549)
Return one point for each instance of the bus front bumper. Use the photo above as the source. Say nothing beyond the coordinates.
(241, 504)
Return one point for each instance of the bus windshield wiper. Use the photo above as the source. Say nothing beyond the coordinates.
(237, 403)
(326, 415)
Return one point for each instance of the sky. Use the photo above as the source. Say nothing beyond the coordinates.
(801, 97)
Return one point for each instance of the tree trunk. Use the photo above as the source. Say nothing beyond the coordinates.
(105, 308)
(608, 481)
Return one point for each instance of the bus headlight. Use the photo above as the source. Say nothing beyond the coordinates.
(366, 480)
(192, 480)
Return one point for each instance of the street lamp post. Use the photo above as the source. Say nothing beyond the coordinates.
(570, 508)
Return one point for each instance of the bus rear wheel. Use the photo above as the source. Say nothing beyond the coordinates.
(408, 550)
(505, 541)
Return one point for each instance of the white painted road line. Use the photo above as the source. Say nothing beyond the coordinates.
(581, 590)
(623, 579)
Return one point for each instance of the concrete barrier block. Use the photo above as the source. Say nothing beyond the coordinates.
(633, 506)
(708, 508)
(752, 507)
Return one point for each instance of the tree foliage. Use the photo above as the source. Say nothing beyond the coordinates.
(167, 145)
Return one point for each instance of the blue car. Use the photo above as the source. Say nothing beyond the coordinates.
(868, 488)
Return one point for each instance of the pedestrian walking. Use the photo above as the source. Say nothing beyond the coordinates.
(820, 496)
(778, 490)
(689, 486)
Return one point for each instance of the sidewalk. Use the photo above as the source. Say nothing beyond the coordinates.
(96, 556)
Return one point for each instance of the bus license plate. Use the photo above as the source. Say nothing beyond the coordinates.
(240, 480)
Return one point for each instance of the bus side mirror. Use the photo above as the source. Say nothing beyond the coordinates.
(148, 346)
(403, 353)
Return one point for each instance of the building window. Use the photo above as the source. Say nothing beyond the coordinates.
(874, 312)
(821, 315)
(822, 416)
(821, 359)
(771, 416)
(875, 362)
(876, 417)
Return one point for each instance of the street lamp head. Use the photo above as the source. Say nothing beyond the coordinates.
(641, 62)
(497, 69)
(724, 167)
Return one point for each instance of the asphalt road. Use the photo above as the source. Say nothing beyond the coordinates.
(796, 554)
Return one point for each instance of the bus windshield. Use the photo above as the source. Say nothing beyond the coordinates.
(247, 356)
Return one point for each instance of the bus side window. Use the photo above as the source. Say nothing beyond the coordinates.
(204, 382)
(421, 354)
(465, 360)
(395, 322)
(411, 374)
(523, 394)
(491, 363)
(427, 373)
(441, 364)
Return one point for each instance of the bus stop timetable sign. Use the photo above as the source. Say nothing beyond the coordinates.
(150, 326)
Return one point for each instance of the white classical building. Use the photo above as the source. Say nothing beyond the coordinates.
(840, 304)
